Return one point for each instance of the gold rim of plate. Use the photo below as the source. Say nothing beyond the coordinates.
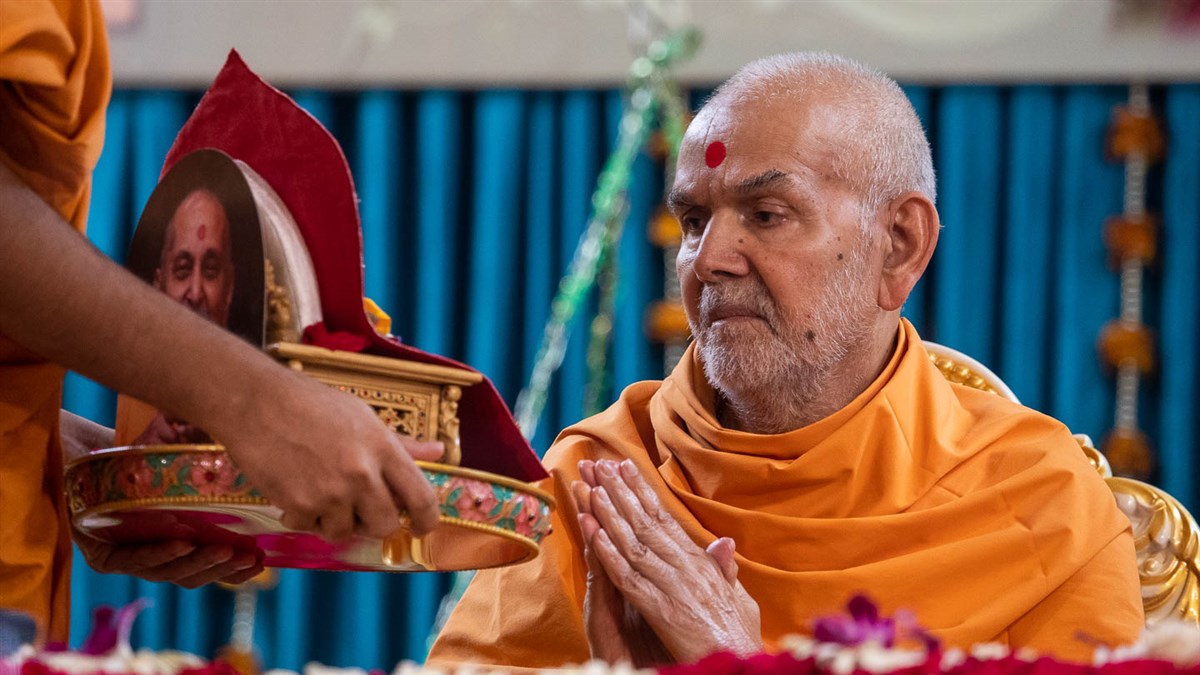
(435, 467)
(534, 548)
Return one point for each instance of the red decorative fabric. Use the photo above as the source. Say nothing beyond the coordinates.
(320, 336)
(250, 120)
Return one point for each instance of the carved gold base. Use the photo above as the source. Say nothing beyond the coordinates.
(414, 399)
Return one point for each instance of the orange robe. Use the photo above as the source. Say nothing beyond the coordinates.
(978, 514)
(54, 87)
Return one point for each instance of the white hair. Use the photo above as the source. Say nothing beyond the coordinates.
(886, 151)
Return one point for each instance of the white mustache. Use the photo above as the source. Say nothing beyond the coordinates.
(717, 302)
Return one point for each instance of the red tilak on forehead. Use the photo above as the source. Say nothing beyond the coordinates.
(202, 231)
(715, 154)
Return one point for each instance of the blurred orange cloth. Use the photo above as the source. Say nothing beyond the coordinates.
(54, 86)
(978, 514)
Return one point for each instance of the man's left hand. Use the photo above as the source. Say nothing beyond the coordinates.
(179, 562)
(690, 596)
(80, 435)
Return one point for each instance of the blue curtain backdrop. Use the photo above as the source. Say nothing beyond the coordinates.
(472, 203)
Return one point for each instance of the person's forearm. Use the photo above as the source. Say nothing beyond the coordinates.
(64, 300)
(345, 472)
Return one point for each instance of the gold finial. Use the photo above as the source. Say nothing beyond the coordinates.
(279, 309)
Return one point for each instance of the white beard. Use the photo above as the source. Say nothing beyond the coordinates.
(771, 371)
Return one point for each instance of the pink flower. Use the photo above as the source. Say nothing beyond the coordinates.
(476, 501)
(135, 479)
(111, 628)
(36, 668)
(866, 625)
(528, 516)
(86, 486)
(717, 663)
(212, 476)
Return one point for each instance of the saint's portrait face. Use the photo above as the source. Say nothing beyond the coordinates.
(775, 264)
(196, 267)
(199, 241)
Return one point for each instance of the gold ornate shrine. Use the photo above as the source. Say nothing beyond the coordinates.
(169, 480)
(414, 399)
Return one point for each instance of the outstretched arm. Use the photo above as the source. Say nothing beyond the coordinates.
(318, 454)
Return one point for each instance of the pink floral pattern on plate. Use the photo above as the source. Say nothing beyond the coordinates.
(111, 477)
(125, 476)
(491, 504)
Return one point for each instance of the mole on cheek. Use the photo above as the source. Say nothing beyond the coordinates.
(840, 256)
(810, 336)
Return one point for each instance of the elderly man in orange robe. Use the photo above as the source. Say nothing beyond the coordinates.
(805, 448)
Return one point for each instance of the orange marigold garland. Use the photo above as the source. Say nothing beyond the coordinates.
(666, 322)
(1126, 345)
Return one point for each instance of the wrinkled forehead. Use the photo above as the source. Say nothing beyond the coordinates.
(732, 141)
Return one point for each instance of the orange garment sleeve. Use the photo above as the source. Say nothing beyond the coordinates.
(54, 88)
(54, 65)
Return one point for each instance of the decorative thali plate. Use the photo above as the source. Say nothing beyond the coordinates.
(195, 493)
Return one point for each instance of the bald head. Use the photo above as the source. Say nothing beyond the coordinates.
(881, 152)
(804, 191)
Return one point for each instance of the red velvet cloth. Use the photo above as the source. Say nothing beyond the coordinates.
(250, 120)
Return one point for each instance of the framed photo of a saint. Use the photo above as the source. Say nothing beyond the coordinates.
(199, 241)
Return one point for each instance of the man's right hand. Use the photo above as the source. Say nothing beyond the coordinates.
(690, 596)
(616, 631)
(326, 460)
(317, 453)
